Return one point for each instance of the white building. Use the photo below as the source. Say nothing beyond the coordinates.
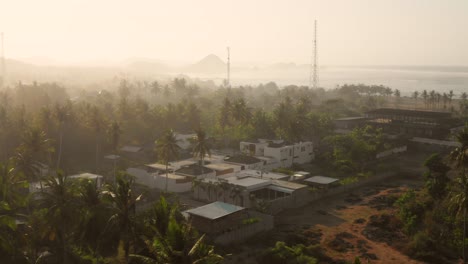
(277, 153)
(155, 179)
(246, 162)
(300, 153)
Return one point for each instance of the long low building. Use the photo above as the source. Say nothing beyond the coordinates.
(250, 191)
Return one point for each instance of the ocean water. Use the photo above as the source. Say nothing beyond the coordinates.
(405, 78)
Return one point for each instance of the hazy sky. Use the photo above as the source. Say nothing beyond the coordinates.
(414, 32)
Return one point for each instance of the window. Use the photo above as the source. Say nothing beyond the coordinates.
(302, 149)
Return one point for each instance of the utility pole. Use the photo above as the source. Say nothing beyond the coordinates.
(228, 80)
(313, 80)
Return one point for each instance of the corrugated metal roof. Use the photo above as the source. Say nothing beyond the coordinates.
(321, 180)
(215, 210)
(280, 189)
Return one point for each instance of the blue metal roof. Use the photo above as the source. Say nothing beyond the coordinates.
(214, 210)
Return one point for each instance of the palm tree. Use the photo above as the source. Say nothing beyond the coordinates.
(12, 201)
(168, 150)
(415, 97)
(59, 202)
(432, 98)
(241, 112)
(96, 122)
(201, 147)
(25, 163)
(93, 212)
(196, 186)
(425, 96)
(181, 244)
(61, 114)
(123, 201)
(4, 124)
(450, 96)
(37, 144)
(114, 133)
(460, 193)
(225, 117)
(445, 99)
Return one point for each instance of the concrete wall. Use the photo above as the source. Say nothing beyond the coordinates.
(210, 193)
(159, 181)
(246, 231)
(142, 177)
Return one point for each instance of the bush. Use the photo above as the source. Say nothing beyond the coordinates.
(281, 254)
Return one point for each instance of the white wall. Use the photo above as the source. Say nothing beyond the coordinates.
(282, 154)
(259, 148)
(172, 186)
(304, 151)
(142, 177)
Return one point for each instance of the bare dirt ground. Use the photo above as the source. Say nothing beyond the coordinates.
(346, 225)
(342, 222)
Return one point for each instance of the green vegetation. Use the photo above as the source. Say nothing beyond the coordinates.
(72, 221)
(281, 253)
(353, 152)
(435, 217)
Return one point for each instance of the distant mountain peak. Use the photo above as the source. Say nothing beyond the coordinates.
(211, 58)
(209, 64)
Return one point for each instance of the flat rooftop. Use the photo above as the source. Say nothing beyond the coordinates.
(194, 170)
(222, 166)
(181, 163)
(264, 175)
(350, 118)
(242, 159)
(321, 180)
(248, 182)
(172, 176)
(409, 112)
(215, 210)
(159, 166)
(85, 176)
(133, 149)
(288, 185)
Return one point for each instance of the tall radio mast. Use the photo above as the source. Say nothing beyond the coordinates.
(228, 80)
(313, 81)
(2, 78)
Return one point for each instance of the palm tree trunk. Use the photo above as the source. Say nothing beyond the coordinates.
(464, 234)
(60, 148)
(167, 177)
(97, 152)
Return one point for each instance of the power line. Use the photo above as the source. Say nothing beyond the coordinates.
(2, 78)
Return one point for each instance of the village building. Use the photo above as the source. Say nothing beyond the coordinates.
(322, 182)
(416, 123)
(278, 153)
(216, 217)
(223, 168)
(246, 162)
(251, 191)
(347, 124)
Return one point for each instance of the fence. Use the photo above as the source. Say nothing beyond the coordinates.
(265, 223)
